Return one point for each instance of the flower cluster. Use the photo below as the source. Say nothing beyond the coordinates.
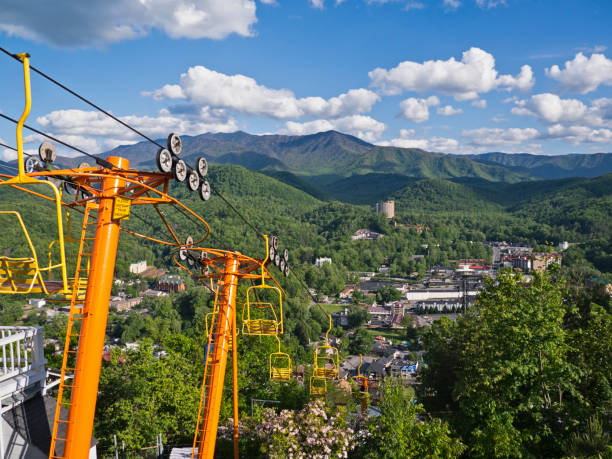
(310, 433)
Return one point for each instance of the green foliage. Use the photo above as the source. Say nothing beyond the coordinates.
(399, 432)
(361, 342)
(141, 397)
(387, 293)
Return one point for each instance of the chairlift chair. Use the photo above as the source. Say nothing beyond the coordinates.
(318, 386)
(326, 359)
(280, 365)
(263, 311)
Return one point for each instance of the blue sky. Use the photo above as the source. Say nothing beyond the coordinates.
(455, 76)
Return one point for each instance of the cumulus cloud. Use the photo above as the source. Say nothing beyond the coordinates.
(583, 74)
(94, 132)
(449, 110)
(407, 139)
(474, 74)
(317, 4)
(243, 94)
(497, 136)
(577, 135)
(417, 110)
(100, 22)
(480, 103)
(552, 109)
(364, 127)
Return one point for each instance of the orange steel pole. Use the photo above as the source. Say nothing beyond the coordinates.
(235, 380)
(91, 344)
(227, 306)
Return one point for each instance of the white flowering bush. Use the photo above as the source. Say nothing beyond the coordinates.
(309, 433)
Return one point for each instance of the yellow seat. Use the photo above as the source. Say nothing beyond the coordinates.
(263, 311)
(280, 365)
(23, 275)
(326, 359)
(318, 386)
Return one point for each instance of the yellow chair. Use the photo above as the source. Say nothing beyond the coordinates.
(263, 311)
(318, 386)
(326, 359)
(23, 275)
(280, 365)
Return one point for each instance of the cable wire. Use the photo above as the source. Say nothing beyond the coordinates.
(99, 161)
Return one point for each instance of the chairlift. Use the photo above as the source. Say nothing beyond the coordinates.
(280, 365)
(318, 386)
(326, 359)
(263, 311)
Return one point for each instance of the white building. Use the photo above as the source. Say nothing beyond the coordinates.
(321, 261)
(37, 302)
(138, 267)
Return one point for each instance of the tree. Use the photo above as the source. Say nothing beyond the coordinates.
(141, 396)
(358, 316)
(398, 433)
(387, 293)
(361, 342)
(504, 367)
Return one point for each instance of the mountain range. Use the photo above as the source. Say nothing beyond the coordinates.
(334, 165)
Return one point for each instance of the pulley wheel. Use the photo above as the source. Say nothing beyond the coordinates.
(193, 180)
(274, 241)
(180, 170)
(164, 161)
(287, 270)
(174, 144)
(202, 166)
(32, 165)
(277, 259)
(271, 253)
(70, 188)
(286, 255)
(282, 265)
(205, 191)
(83, 165)
(46, 152)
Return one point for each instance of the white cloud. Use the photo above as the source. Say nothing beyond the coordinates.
(451, 4)
(417, 110)
(412, 5)
(449, 110)
(243, 94)
(464, 80)
(407, 139)
(497, 136)
(488, 4)
(364, 127)
(317, 4)
(499, 119)
(577, 135)
(94, 132)
(99, 22)
(551, 108)
(583, 74)
(480, 103)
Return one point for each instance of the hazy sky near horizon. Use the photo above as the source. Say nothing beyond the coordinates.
(454, 76)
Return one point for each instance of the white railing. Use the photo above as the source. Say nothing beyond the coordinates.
(21, 351)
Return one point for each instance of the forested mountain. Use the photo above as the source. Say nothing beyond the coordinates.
(550, 167)
(324, 153)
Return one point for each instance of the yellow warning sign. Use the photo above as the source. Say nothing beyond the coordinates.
(121, 209)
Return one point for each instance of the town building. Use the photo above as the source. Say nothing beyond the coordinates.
(170, 283)
(319, 262)
(366, 234)
(139, 267)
